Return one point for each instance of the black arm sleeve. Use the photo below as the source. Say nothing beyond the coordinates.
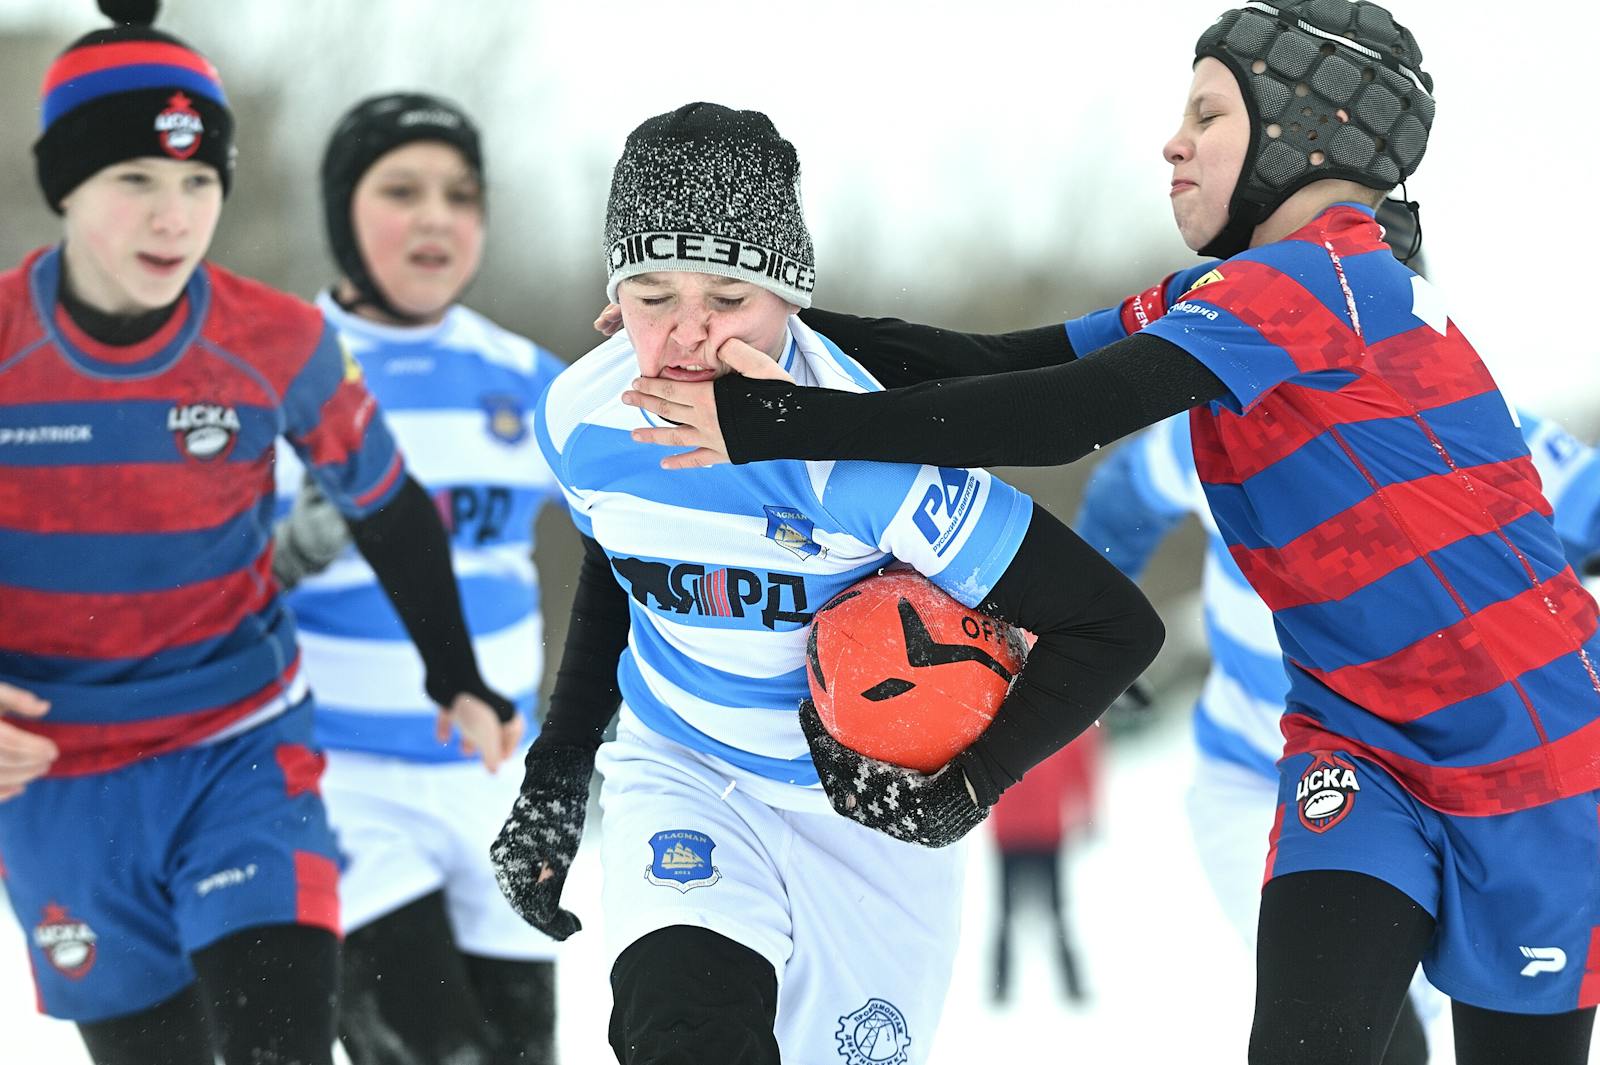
(406, 546)
(1096, 633)
(1040, 417)
(586, 695)
(901, 353)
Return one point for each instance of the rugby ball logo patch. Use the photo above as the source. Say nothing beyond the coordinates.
(204, 431)
(67, 942)
(1326, 792)
(179, 127)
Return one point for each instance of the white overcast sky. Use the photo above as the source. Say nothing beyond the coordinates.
(1034, 126)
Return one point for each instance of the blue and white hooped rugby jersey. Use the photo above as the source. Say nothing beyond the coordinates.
(725, 566)
(1148, 484)
(459, 398)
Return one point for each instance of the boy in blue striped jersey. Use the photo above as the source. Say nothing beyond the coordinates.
(744, 916)
(433, 961)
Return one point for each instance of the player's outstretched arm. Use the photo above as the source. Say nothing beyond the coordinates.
(1096, 633)
(540, 838)
(406, 545)
(1041, 417)
(900, 353)
(24, 756)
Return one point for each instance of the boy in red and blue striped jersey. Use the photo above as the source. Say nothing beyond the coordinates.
(1438, 795)
(163, 842)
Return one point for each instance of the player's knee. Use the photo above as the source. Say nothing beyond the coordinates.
(685, 994)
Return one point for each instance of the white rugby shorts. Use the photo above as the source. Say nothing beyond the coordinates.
(861, 929)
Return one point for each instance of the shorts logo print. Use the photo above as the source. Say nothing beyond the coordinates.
(1543, 960)
(682, 860)
(67, 942)
(1326, 792)
(875, 1034)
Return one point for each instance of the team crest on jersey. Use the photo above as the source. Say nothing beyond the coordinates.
(347, 358)
(508, 418)
(1326, 792)
(179, 127)
(67, 942)
(1205, 279)
(875, 1034)
(682, 860)
(204, 431)
(793, 531)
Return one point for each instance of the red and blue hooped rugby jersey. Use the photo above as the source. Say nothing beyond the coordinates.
(1367, 477)
(136, 500)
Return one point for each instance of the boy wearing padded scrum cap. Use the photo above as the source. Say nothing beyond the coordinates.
(1441, 764)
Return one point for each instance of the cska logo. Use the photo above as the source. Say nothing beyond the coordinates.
(68, 943)
(179, 127)
(204, 431)
(1326, 792)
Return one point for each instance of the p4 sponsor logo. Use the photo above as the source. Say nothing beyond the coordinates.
(1543, 960)
(945, 507)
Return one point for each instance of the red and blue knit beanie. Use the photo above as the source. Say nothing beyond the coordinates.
(127, 92)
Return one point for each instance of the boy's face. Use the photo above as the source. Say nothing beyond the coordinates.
(136, 230)
(418, 219)
(677, 320)
(1207, 153)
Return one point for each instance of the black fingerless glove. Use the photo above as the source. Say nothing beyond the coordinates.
(543, 831)
(929, 810)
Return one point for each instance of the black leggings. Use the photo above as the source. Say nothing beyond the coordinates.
(688, 996)
(1335, 955)
(412, 996)
(264, 996)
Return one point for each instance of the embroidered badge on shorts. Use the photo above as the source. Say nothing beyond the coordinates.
(875, 1034)
(682, 860)
(1326, 792)
(67, 942)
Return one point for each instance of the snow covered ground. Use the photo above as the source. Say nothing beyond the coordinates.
(1169, 980)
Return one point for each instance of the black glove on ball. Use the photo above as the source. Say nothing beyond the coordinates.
(929, 810)
(542, 832)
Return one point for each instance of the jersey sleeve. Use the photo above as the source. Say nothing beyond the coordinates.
(1143, 489)
(546, 369)
(555, 461)
(334, 425)
(1273, 314)
(960, 528)
(1099, 328)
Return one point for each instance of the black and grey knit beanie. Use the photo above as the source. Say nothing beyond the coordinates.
(710, 190)
(1334, 88)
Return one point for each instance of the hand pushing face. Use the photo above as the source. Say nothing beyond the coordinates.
(678, 320)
